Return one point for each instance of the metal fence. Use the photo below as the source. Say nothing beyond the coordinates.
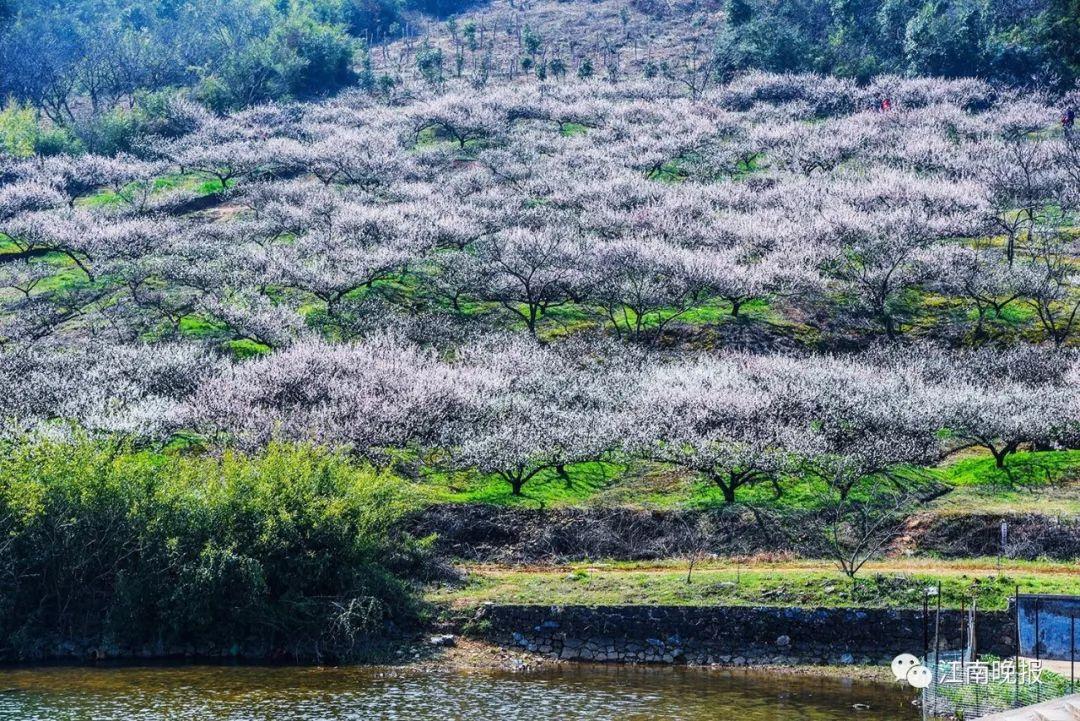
(968, 686)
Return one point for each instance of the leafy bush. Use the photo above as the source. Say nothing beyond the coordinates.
(370, 18)
(292, 549)
(22, 134)
(169, 112)
(301, 57)
(57, 141)
(320, 55)
(861, 38)
(111, 132)
(18, 130)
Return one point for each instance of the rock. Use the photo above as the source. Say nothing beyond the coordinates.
(860, 706)
(783, 641)
(444, 639)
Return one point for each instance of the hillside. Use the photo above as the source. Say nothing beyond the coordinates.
(292, 326)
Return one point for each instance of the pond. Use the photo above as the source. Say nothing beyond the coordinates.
(259, 693)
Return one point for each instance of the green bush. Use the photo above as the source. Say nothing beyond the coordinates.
(18, 130)
(861, 38)
(320, 56)
(301, 57)
(57, 141)
(292, 550)
(23, 134)
(109, 133)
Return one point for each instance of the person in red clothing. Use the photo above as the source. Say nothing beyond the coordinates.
(886, 105)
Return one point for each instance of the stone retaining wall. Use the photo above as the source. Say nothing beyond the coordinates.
(730, 635)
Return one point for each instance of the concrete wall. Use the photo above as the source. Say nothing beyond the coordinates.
(729, 635)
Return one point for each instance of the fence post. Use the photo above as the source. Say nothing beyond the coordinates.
(1038, 652)
(963, 637)
(937, 645)
(1016, 651)
(973, 630)
(925, 624)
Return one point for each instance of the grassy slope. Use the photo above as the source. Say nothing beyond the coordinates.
(891, 584)
(1042, 482)
(1047, 482)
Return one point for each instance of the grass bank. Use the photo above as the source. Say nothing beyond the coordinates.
(885, 584)
(1031, 482)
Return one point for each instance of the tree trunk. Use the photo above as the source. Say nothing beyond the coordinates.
(1001, 455)
(729, 492)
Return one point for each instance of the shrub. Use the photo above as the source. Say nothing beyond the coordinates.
(319, 56)
(18, 130)
(111, 132)
(292, 549)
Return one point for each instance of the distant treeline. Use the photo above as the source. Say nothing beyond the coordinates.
(61, 54)
(1014, 41)
(85, 65)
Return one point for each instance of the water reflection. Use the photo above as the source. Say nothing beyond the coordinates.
(252, 693)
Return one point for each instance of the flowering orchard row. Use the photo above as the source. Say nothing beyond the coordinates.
(514, 279)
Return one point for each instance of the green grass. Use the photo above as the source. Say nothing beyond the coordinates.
(745, 168)
(1035, 482)
(200, 327)
(1039, 482)
(244, 348)
(545, 490)
(802, 584)
(569, 130)
(711, 313)
(435, 136)
(676, 170)
(196, 183)
(8, 246)
(670, 172)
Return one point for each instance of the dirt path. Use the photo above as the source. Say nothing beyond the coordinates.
(898, 566)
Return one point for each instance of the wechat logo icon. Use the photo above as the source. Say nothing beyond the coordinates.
(906, 667)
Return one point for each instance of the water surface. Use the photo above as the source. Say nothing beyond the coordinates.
(256, 693)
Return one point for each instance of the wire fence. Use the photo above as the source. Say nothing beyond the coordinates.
(970, 689)
(967, 686)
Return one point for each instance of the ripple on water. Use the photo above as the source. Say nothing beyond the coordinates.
(259, 693)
